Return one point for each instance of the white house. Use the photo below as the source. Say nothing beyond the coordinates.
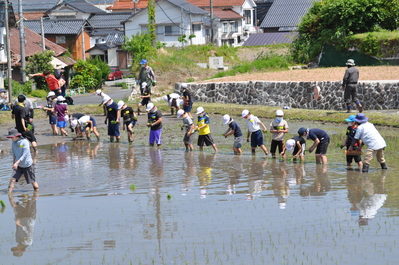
(174, 18)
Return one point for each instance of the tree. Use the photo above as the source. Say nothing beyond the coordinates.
(140, 46)
(332, 21)
(152, 26)
(38, 63)
(86, 75)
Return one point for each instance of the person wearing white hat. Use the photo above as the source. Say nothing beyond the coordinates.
(86, 124)
(278, 127)
(205, 137)
(190, 129)
(254, 135)
(349, 85)
(296, 146)
(155, 125)
(49, 108)
(103, 96)
(61, 110)
(235, 130)
(188, 100)
(145, 96)
(113, 117)
(129, 120)
(174, 102)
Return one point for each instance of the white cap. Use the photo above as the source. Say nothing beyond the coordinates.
(105, 99)
(200, 110)
(144, 84)
(226, 118)
(179, 113)
(74, 123)
(290, 145)
(184, 85)
(165, 98)
(98, 91)
(279, 112)
(51, 93)
(120, 104)
(149, 106)
(244, 113)
(174, 95)
(60, 98)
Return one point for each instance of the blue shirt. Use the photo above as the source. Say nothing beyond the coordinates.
(21, 151)
(317, 134)
(112, 111)
(237, 130)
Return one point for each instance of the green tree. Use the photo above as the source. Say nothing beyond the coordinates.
(152, 26)
(332, 21)
(102, 72)
(86, 75)
(140, 47)
(38, 63)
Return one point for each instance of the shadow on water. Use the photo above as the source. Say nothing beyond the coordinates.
(197, 208)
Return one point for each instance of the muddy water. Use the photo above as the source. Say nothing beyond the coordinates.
(198, 208)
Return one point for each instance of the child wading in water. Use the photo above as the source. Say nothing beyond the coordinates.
(350, 138)
(236, 130)
(190, 127)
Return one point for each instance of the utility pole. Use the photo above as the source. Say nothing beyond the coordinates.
(8, 54)
(22, 41)
(42, 33)
(211, 11)
(83, 43)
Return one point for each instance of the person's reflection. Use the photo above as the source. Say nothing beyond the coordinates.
(321, 184)
(280, 187)
(189, 171)
(62, 154)
(256, 182)
(235, 174)
(355, 190)
(114, 151)
(205, 172)
(25, 216)
(373, 200)
(129, 158)
(300, 173)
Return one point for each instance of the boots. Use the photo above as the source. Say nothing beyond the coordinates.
(384, 166)
(365, 167)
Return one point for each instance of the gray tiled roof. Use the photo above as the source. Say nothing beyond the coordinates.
(286, 13)
(34, 5)
(56, 26)
(83, 6)
(270, 38)
(109, 20)
(101, 2)
(117, 38)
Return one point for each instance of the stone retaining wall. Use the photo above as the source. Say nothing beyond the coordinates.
(374, 95)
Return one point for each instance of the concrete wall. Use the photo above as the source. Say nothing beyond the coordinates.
(374, 95)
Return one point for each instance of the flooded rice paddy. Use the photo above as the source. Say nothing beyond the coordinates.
(108, 203)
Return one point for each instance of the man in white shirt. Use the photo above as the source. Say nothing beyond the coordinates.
(367, 134)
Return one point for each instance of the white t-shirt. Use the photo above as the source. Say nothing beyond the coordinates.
(83, 120)
(370, 136)
(253, 123)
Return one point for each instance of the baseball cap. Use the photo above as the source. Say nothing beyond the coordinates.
(226, 118)
(13, 133)
(149, 106)
(350, 118)
(290, 145)
(144, 84)
(74, 123)
(60, 98)
(184, 85)
(120, 104)
(143, 61)
(51, 93)
(105, 99)
(279, 113)
(98, 91)
(244, 113)
(179, 113)
(301, 131)
(200, 110)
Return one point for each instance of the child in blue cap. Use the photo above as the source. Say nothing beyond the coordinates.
(350, 138)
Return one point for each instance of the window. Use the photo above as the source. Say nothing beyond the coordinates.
(225, 28)
(60, 39)
(234, 27)
(172, 30)
(247, 16)
(196, 27)
(144, 29)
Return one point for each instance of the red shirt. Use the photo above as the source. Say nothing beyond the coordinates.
(52, 82)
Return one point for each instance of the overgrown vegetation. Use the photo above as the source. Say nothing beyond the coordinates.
(335, 21)
(18, 88)
(38, 63)
(90, 74)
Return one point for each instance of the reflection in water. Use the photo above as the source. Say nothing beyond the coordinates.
(256, 180)
(235, 172)
(321, 184)
(189, 171)
(130, 162)
(25, 216)
(205, 172)
(114, 159)
(280, 186)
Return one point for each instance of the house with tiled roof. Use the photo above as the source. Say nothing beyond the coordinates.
(77, 9)
(102, 4)
(174, 18)
(128, 6)
(234, 19)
